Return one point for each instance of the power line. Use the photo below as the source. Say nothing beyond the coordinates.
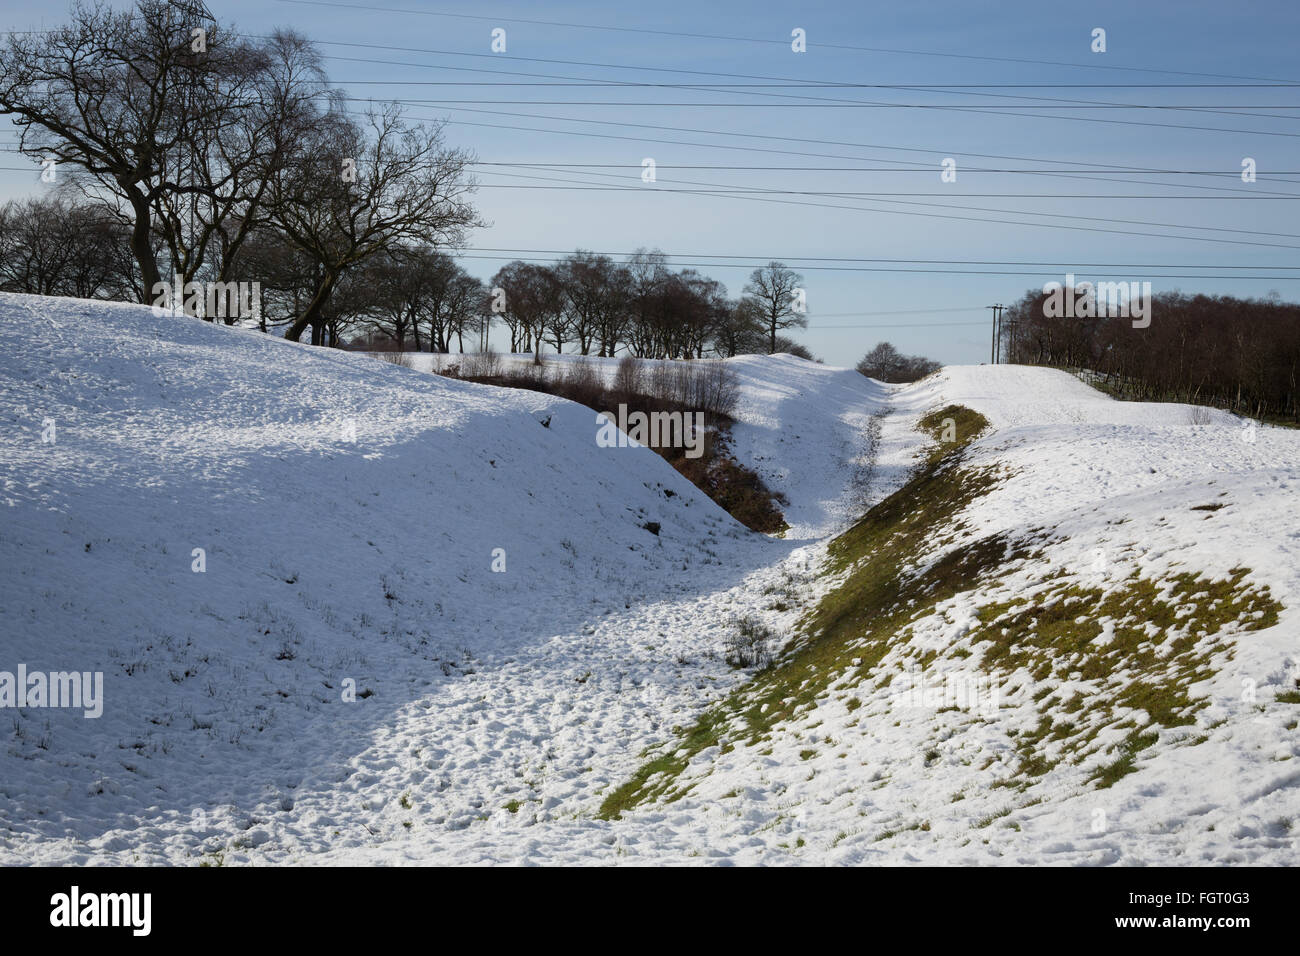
(976, 109)
(865, 105)
(982, 111)
(1021, 212)
(600, 83)
(829, 84)
(534, 116)
(613, 83)
(624, 66)
(1217, 109)
(1011, 222)
(1100, 168)
(973, 262)
(893, 325)
(621, 66)
(890, 169)
(960, 272)
(782, 42)
(1103, 167)
(924, 215)
(867, 209)
(1222, 110)
(861, 169)
(830, 315)
(848, 193)
(1273, 82)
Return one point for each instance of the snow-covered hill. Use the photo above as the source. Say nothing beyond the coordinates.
(1114, 690)
(349, 513)
(802, 426)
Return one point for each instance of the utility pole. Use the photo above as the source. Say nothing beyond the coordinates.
(997, 332)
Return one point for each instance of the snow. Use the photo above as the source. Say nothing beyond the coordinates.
(799, 424)
(349, 510)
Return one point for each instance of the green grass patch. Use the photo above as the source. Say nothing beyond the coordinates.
(1140, 643)
(952, 427)
(859, 619)
(1109, 774)
(1159, 637)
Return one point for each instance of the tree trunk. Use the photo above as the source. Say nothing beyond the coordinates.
(311, 315)
(140, 247)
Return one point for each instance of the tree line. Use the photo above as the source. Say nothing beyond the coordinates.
(182, 151)
(886, 364)
(1239, 354)
(200, 151)
(596, 306)
(419, 298)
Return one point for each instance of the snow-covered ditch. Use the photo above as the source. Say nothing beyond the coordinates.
(282, 561)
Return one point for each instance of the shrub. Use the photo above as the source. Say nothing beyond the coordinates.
(750, 643)
(481, 365)
(659, 380)
(738, 490)
(707, 386)
(582, 382)
(395, 358)
(532, 376)
(716, 390)
(629, 378)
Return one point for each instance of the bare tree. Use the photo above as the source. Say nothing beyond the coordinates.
(272, 96)
(1239, 354)
(513, 309)
(882, 363)
(704, 308)
(534, 299)
(119, 95)
(885, 363)
(462, 307)
(287, 275)
(399, 285)
(359, 191)
(774, 288)
(739, 329)
(53, 245)
(595, 290)
(648, 272)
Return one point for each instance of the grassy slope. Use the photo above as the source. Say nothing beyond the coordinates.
(1137, 644)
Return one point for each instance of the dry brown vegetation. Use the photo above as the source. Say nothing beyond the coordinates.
(654, 386)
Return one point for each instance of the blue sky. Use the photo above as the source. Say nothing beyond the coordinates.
(938, 314)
